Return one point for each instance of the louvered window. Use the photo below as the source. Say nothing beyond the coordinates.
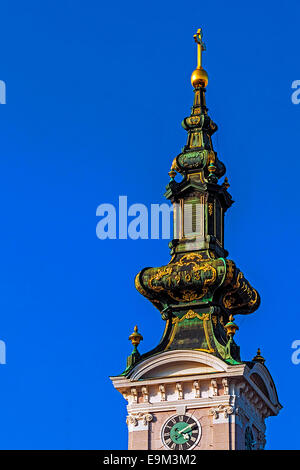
(193, 218)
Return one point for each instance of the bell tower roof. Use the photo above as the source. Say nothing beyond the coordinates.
(181, 394)
(200, 290)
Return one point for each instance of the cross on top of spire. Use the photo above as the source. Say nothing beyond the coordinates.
(199, 76)
(199, 39)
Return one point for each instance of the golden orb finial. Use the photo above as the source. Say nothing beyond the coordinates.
(135, 337)
(199, 77)
(231, 327)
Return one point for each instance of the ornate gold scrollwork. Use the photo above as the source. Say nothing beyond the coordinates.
(230, 268)
(165, 271)
(193, 120)
(142, 291)
(174, 276)
(139, 286)
(211, 158)
(244, 288)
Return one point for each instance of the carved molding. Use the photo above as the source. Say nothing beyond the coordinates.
(196, 388)
(225, 386)
(253, 402)
(214, 386)
(145, 394)
(162, 392)
(134, 395)
(135, 418)
(227, 410)
(179, 391)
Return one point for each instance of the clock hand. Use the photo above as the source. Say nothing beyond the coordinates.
(184, 429)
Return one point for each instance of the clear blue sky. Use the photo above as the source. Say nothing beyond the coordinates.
(96, 92)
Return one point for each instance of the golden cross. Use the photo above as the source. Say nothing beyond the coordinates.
(200, 46)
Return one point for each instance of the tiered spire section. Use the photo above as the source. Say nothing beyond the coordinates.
(200, 289)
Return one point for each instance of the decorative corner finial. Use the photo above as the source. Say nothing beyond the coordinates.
(199, 76)
(231, 327)
(134, 357)
(259, 358)
(172, 174)
(226, 183)
(135, 337)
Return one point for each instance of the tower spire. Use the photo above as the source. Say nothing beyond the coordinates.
(200, 289)
(196, 370)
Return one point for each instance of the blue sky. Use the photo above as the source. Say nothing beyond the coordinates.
(95, 96)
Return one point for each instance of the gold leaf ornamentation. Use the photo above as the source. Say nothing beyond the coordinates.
(172, 277)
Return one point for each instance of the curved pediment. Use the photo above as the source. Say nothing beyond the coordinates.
(178, 369)
(178, 363)
(261, 377)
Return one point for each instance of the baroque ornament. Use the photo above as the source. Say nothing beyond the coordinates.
(135, 418)
(199, 294)
(199, 277)
(226, 410)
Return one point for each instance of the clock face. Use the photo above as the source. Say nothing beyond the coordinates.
(181, 432)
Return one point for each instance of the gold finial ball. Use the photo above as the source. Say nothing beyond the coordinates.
(231, 327)
(135, 337)
(199, 78)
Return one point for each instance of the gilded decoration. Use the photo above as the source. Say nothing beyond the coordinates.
(193, 120)
(142, 291)
(230, 269)
(181, 278)
(199, 278)
(241, 295)
(191, 315)
(139, 286)
(195, 276)
(192, 160)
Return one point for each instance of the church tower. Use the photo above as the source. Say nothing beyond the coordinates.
(193, 391)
